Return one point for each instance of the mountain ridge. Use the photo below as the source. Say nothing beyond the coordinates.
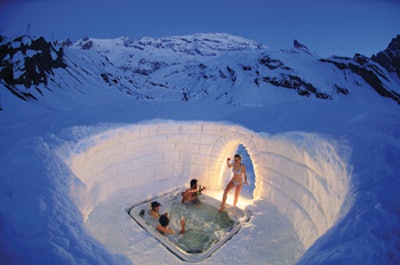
(390, 57)
(217, 67)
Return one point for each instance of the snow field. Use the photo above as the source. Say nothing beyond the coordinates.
(301, 174)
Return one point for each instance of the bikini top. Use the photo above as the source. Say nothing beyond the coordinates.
(237, 172)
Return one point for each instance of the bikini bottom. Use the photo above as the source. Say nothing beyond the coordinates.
(235, 183)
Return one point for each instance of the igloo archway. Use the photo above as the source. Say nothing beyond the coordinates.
(301, 174)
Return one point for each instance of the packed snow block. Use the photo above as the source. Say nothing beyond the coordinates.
(179, 169)
(217, 145)
(204, 149)
(152, 140)
(145, 173)
(232, 137)
(198, 171)
(173, 169)
(277, 145)
(302, 223)
(113, 185)
(312, 163)
(189, 128)
(114, 157)
(201, 139)
(210, 129)
(168, 128)
(192, 147)
(172, 156)
(148, 150)
(212, 179)
(296, 192)
(147, 131)
(311, 182)
(125, 168)
(280, 200)
(168, 146)
(314, 183)
(147, 160)
(298, 216)
(199, 158)
(102, 144)
(127, 134)
(131, 148)
(109, 172)
(93, 195)
(178, 139)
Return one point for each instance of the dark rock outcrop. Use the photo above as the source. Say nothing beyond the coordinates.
(300, 46)
(26, 63)
(390, 57)
(271, 63)
(367, 70)
(294, 82)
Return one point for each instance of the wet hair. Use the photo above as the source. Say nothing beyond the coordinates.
(155, 204)
(193, 183)
(164, 220)
(238, 156)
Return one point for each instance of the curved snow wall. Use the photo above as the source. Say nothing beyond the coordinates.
(300, 173)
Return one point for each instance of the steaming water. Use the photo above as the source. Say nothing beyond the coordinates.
(204, 225)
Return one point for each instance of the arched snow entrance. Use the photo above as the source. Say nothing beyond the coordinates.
(247, 190)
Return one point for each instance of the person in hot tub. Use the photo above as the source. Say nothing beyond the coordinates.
(192, 194)
(163, 227)
(155, 209)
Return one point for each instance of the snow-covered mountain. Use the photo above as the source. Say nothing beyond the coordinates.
(200, 67)
(390, 57)
(89, 129)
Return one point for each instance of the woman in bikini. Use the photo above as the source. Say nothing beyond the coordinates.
(238, 170)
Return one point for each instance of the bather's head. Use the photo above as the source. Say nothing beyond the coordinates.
(155, 205)
(164, 220)
(193, 184)
(237, 158)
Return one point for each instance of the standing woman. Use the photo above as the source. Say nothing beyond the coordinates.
(238, 170)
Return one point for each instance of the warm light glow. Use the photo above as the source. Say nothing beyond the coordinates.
(242, 201)
(301, 174)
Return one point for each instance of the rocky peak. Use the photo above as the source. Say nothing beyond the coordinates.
(300, 46)
(360, 59)
(27, 62)
(390, 57)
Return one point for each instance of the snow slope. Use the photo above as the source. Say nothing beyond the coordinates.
(68, 173)
(195, 68)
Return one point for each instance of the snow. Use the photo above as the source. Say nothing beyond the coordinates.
(325, 174)
(299, 173)
(73, 176)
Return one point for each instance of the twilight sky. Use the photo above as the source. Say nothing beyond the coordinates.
(327, 27)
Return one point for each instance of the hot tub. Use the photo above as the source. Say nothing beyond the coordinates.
(206, 228)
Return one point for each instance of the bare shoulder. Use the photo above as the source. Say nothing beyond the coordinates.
(164, 230)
